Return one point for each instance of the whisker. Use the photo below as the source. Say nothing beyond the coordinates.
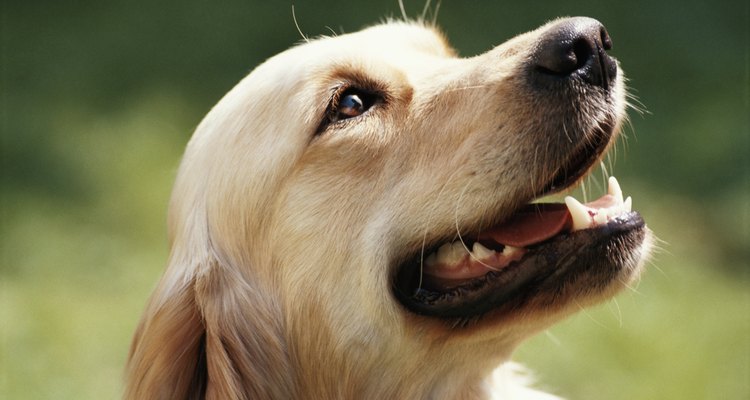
(424, 10)
(436, 12)
(468, 87)
(605, 174)
(617, 310)
(612, 158)
(629, 287)
(591, 317)
(552, 338)
(653, 264)
(458, 228)
(635, 103)
(427, 228)
(403, 10)
(658, 248)
(567, 135)
(296, 24)
(333, 33)
(584, 192)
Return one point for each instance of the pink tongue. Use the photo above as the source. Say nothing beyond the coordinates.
(531, 224)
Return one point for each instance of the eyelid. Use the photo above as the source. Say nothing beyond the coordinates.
(333, 103)
(333, 99)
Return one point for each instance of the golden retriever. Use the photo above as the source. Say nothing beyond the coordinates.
(353, 220)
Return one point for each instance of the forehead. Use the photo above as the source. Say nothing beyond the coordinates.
(400, 44)
(396, 37)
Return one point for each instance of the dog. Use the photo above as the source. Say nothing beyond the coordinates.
(356, 219)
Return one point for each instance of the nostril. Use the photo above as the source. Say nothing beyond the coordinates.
(583, 50)
(564, 51)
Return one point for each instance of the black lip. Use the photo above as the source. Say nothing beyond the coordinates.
(594, 255)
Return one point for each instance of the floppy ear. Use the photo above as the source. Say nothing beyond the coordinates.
(215, 337)
(213, 327)
(167, 357)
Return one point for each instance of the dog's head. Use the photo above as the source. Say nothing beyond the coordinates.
(353, 218)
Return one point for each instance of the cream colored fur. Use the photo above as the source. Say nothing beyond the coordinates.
(278, 281)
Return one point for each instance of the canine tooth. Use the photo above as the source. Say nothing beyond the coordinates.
(579, 212)
(481, 252)
(628, 205)
(614, 189)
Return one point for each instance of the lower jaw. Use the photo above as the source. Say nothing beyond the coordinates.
(567, 265)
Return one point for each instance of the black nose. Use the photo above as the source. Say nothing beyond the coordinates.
(576, 47)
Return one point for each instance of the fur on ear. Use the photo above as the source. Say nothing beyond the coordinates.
(214, 337)
(167, 357)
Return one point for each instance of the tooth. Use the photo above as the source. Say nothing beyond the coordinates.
(579, 212)
(450, 254)
(444, 253)
(510, 250)
(628, 206)
(458, 251)
(614, 189)
(481, 252)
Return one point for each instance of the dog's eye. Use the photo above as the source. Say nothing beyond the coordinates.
(350, 106)
(350, 103)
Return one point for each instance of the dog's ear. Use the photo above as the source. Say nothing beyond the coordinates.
(167, 357)
(216, 337)
(213, 327)
(245, 346)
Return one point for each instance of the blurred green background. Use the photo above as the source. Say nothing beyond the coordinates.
(100, 97)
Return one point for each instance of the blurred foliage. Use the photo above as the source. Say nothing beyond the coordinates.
(99, 98)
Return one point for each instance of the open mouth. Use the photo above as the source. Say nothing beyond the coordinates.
(539, 246)
(454, 264)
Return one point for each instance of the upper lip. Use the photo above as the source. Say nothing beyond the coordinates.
(582, 158)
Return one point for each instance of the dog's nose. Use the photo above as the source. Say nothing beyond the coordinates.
(576, 47)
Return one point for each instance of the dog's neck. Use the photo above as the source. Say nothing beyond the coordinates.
(322, 371)
(508, 381)
(391, 383)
